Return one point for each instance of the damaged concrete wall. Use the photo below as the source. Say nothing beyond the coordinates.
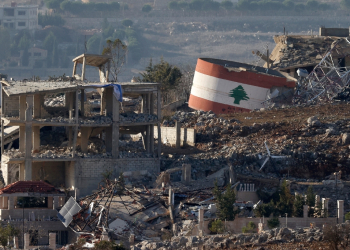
(10, 173)
(188, 135)
(70, 174)
(89, 172)
(50, 171)
(11, 106)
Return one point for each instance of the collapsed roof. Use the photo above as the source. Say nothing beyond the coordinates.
(295, 51)
(30, 186)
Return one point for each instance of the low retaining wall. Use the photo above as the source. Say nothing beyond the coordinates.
(292, 222)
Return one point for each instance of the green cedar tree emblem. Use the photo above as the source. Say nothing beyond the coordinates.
(239, 94)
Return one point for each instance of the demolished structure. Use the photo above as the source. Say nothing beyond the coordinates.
(228, 87)
(321, 62)
(91, 141)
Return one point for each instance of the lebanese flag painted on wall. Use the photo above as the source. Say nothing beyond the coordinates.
(222, 91)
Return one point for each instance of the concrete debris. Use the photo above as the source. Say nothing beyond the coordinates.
(132, 117)
(58, 101)
(97, 119)
(277, 235)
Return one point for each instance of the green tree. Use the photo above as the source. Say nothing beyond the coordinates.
(216, 226)
(173, 5)
(118, 51)
(167, 75)
(225, 203)
(5, 43)
(53, 20)
(93, 44)
(7, 232)
(49, 42)
(273, 223)
(53, 4)
(196, 5)
(298, 208)
(250, 228)
(147, 8)
(183, 5)
(24, 43)
(285, 204)
(238, 94)
(264, 209)
(227, 4)
(310, 200)
(347, 216)
(127, 23)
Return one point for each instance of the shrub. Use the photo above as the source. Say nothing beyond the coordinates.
(147, 8)
(347, 216)
(216, 226)
(227, 4)
(173, 5)
(53, 20)
(273, 223)
(250, 228)
(264, 210)
(127, 22)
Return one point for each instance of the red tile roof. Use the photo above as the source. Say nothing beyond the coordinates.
(30, 186)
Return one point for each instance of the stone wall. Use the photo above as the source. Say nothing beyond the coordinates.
(89, 172)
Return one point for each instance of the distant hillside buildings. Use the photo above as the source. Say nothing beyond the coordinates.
(19, 17)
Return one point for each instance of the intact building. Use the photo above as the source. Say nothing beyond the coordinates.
(19, 17)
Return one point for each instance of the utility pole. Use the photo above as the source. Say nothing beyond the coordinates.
(336, 193)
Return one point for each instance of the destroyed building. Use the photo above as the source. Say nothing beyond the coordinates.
(228, 87)
(31, 207)
(92, 144)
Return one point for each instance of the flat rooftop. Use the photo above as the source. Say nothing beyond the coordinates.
(21, 88)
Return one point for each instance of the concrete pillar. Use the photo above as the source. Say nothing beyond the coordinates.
(82, 102)
(15, 243)
(115, 127)
(28, 138)
(186, 173)
(37, 106)
(253, 187)
(76, 193)
(171, 197)
(36, 138)
(200, 215)
(26, 241)
(10, 202)
(317, 199)
(55, 202)
(233, 176)
(177, 134)
(340, 208)
(245, 187)
(305, 211)
(52, 241)
(325, 207)
(22, 138)
(21, 171)
(132, 239)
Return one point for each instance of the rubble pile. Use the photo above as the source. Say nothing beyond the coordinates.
(58, 101)
(274, 236)
(96, 119)
(131, 117)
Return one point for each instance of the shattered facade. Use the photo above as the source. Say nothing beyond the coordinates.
(92, 143)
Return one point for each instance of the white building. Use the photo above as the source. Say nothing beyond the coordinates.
(19, 17)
